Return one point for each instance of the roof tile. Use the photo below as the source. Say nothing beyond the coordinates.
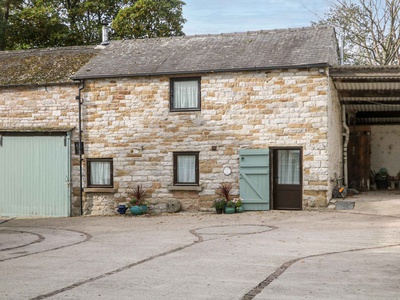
(212, 53)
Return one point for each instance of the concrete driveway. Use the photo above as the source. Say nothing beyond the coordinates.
(255, 255)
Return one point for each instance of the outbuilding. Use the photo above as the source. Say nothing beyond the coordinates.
(177, 115)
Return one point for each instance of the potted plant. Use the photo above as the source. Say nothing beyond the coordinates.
(225, 190)
(230, 207)
(238, 204)
(219, 205)
(137, 202)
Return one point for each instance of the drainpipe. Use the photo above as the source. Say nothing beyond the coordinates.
(80, 145)
(346, 135)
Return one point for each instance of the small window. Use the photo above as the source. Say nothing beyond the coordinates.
(99, 172)
(186, 168)
(185, 94)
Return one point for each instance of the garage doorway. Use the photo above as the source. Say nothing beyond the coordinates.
(35, 175)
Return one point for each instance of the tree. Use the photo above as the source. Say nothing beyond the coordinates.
(85, 18)
(26, 24)
(370, 28)
(35, 25)
(150, 18)
(6, 7)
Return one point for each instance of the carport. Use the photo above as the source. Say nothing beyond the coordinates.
(370, 99)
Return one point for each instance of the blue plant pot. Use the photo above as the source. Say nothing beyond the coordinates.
(144, 208)
(229, 210)
(239, 209)
(136, 210)
(122, 209)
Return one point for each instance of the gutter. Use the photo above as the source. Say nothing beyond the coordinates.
(155, 73)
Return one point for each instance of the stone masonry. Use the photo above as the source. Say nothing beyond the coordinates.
(129, 120)
(44, 109)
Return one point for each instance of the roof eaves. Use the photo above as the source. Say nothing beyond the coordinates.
(37, 84)
(315, 65)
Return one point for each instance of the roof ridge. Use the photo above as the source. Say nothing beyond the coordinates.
(293, 29)
(49, 50)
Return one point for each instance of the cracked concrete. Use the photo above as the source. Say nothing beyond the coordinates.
(255, 255)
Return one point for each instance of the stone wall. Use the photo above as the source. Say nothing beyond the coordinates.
(46, 109)
(385, 146)
(333, 150)
(129, 120)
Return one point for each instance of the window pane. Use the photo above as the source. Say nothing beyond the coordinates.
(186, 169)
(289, 166)
(186, 94)
(100, 173)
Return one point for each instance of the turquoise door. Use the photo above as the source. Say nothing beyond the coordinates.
(254, 179)
(35, 175)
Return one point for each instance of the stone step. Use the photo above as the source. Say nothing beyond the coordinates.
(345, 205)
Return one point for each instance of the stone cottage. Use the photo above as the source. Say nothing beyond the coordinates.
(39, 121)
(182, 115)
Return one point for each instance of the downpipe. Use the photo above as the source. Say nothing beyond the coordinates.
(79, 98)
(346, 135)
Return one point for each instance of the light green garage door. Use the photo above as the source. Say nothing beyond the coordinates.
(34, 175)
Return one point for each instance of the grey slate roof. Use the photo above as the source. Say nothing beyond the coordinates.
(270, 49)
(43, 66)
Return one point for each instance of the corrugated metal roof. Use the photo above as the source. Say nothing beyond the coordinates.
(377, 121)
(370, 94)
(372, 107)
(371, 99)
(367, 85)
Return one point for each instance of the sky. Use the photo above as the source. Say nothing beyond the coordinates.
(225, 16)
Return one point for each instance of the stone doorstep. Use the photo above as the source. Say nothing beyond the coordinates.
(345, 205)
(338, 204)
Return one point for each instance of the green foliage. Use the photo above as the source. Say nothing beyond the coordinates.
(230, 204)
(35, 26)
(28, 24)
(219, 203)
(150, 18)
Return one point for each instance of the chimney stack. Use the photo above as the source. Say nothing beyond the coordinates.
(104, 34)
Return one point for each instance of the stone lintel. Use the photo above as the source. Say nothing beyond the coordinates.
(100, 190)
(185, 188)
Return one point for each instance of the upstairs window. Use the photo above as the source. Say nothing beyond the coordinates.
(185, 94)
(100, 172)
(186, 168)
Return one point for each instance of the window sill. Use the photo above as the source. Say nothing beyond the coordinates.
(197, 188)
(99, 190)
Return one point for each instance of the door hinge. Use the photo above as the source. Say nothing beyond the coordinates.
(65, 140)
(1, 141)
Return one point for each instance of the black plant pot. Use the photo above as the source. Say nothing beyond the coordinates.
(219, 210)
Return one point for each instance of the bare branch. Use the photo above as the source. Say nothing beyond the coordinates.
(371, 29)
